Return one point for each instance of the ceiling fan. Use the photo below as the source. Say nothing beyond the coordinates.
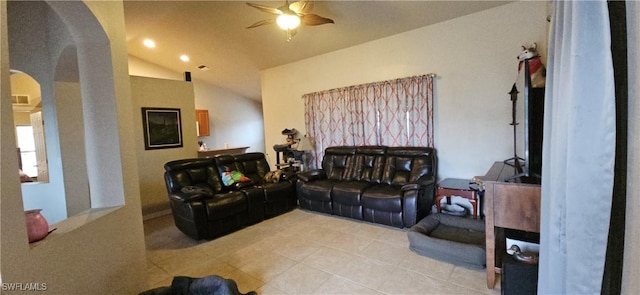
(290, 16)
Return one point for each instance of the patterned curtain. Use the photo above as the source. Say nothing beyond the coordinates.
(393, 113)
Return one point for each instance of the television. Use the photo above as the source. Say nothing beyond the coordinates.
(529, 168)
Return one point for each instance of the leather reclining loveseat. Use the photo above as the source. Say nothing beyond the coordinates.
(388, 185)
(204, 207)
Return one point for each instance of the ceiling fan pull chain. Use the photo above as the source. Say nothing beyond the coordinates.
(289, 35)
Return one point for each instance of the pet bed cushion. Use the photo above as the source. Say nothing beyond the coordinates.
(453, 239)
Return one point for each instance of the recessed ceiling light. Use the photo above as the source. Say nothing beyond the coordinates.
(149, 43)
(184, 58)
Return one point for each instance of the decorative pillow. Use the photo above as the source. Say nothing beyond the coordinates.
(231, 177)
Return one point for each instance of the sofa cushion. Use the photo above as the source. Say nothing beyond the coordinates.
(226, 204)
(337, 160)
(407, 164)
(383, 197)
(278, 191)
(348, 192)
(368, 164)
(253, 165)
(192, 172)
(319, 190)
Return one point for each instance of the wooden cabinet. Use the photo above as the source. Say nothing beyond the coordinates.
(202, 120)
(508, 206)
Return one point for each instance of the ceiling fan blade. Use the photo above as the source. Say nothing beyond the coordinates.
(266, 9)
(315, 20)
(302, 6)
(262, 23)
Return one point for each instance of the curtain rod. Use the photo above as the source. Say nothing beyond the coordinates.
(430, 75)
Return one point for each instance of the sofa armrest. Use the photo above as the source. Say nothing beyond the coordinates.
(417, 200)
(421, 183)
(188, 197)
(311, 175)
(288, 175)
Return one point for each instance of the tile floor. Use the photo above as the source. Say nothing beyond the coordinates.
(303, 252)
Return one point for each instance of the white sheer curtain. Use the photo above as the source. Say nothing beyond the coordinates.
(393, 113)
(579, 150)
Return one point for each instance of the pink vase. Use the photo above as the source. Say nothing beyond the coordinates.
(37, 225)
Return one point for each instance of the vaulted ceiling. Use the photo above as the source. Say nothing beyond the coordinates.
(214, 34)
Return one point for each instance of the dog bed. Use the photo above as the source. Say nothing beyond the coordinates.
(453, 239)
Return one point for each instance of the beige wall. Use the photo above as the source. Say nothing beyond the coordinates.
(23, 84)
(474, 57)
(152, 92)
(72, 135)
(233, 119)
(141, 68)
(101, 250)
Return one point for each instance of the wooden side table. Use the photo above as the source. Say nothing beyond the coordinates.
(457, 187)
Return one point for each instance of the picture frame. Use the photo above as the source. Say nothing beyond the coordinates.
(162, 128)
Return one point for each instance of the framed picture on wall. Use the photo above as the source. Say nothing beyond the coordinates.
(162, 128)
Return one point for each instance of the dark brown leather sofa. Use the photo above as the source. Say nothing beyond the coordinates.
(204, 208)
(388, 185)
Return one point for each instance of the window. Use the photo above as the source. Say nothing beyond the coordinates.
(27, 147)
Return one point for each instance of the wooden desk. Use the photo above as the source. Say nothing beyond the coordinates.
(507, 205)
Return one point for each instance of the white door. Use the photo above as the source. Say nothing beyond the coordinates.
(41, 151)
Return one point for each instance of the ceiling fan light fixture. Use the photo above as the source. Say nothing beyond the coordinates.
(288, 21)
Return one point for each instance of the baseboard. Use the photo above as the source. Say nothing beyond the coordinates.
(156, 214)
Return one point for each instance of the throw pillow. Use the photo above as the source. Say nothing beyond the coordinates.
(231, 177)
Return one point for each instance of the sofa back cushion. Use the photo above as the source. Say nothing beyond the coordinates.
(199, 172)
(253, 165)
(408, 164)
(368, 164)
(226, 164)
(337, 160)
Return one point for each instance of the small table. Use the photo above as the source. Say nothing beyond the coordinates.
(457, 187)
